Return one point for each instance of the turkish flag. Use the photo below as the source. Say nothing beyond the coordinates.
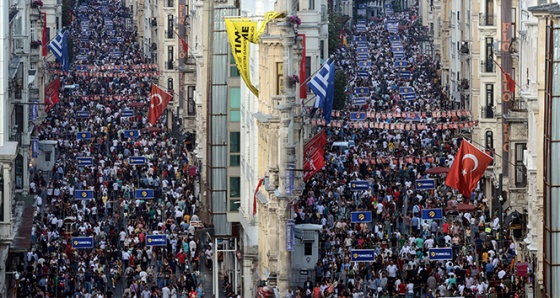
(158, 102)
(468, 167)
(52, 94)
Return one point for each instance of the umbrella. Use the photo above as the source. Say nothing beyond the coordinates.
(150, 129)
(437, 170)
(135, 104)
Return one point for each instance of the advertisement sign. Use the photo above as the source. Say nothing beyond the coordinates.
(363, 255)
(359, 185)
(83, 194)
(425, 184)
(361, 216)
(82, 242)
(144, 193)
(137, 160)
(84, 161)
(34, 148)
(441, 254)
(156, 240)
(435, 213)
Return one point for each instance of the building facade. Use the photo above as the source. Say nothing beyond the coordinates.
(271, 137)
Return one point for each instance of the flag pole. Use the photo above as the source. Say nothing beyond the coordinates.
(516, 84)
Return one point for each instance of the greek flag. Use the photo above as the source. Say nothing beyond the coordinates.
(322, 84)
(59, 47)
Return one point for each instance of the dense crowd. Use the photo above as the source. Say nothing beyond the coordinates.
(392, 157)
(120, 264)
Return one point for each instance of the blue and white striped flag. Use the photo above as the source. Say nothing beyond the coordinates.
(59, 47)
(322, 84)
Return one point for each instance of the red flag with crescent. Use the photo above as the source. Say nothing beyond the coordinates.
(467, 168)
(158, 102)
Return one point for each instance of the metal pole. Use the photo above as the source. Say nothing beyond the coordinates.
(215, 283)
(236, 266)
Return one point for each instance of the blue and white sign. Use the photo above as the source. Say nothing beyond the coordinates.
(82, 242)
(359, 185)
(394, 38)
(441, 254)
(362, 56)
(137, 160)
(82, 114)
(127, 113)
(357, 116)
(435, 213)
(84, 161)
(387, 6)
(290, 234)
(361, 216)
(134, 133)
(359, 101)
(360, 39)
(400, 64)
(144, 193)
(364, 63)
(362, 91)
(83, 135)
(405, 74)
(83, 194)
(363, 255)
(156, 240)
(34, 148)
(425, 184)
(363, 50)
(289, 183)
(407, 93)
(363, 73)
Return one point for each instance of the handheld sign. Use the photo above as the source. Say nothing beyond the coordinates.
(441, 254)
(127, 113)
(83, 194)
(156, 240)
(82, 114)
(84, 161)
(425, 184)
(363, 255)
(82, 242)
(359, 185)
(83, 135)
(137, 160)
(131, 133)
(144, 193)
(435, 213)
(361, 216)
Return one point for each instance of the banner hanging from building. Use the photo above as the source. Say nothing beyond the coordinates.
(240, 31)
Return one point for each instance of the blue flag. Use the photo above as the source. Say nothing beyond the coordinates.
(59, 48)
(322, 84)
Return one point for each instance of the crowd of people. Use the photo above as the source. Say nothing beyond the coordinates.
(391, 153)
(121, 263)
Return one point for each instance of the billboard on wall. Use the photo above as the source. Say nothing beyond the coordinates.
(506, 63)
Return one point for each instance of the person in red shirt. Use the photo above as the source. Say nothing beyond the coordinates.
(402, 289)
(316, 291)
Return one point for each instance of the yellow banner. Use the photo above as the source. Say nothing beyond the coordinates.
(271, 15)
(240, 31)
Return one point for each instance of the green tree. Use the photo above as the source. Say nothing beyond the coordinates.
(67, 6)
(334, 32)
(339, 93)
